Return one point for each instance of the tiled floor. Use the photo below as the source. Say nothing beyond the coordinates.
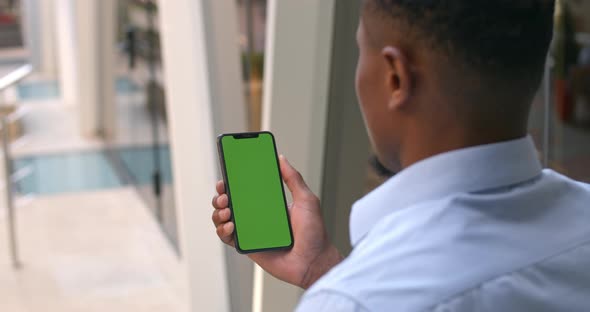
(65, 173)
(68, 172)
(51, 127)
(97, 251)
(49, 89)
(35, 90)
(136, 159)
(87, 242)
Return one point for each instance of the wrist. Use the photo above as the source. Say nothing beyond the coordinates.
(321, 265)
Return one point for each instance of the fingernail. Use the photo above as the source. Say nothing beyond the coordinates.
(227, 226)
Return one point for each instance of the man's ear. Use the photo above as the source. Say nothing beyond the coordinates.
(399, 77)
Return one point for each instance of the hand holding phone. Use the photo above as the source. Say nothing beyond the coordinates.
(311, 255)
(250, 167)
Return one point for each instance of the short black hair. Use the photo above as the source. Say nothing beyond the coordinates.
(506, 39)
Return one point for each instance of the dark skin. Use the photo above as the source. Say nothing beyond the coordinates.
(424, 93)
(410, 111)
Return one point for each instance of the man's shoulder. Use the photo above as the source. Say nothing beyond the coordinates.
(399, 262)
(422, 255)
(557, 283)
(531, 287)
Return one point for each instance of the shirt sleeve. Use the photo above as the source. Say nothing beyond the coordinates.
(329, 301)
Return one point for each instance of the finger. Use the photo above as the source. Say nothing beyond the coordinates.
(220, 187)
(293, 179)
(220, 216)
(214, 201)
(221, 202)
(225, 232)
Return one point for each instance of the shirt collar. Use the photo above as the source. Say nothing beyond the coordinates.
(470, 169)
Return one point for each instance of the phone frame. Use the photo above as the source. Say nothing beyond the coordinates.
(250, 135)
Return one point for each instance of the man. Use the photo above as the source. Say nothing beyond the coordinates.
(472, 222)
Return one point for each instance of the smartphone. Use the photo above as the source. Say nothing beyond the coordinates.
(254, 186)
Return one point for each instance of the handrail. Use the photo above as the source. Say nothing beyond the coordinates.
(12, 240)
(15, 76)
(6, 81)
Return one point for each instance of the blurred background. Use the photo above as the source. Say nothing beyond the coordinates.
(109, 111)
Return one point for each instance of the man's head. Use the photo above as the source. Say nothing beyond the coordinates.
(437, 75)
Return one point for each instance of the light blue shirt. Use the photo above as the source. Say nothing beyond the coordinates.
(478, 229)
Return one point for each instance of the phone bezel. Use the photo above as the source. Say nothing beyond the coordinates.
(246, 135)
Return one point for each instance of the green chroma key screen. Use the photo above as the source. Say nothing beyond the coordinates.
(256, 191)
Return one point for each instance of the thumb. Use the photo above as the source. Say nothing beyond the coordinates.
(293, 179)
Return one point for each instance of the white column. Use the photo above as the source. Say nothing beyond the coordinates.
(66, 48)
(86, 43)
(106, 46)
(32, 31)
(47, 29)
(95, 41)
(297, 71)
(204, 95)
(39, 28)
